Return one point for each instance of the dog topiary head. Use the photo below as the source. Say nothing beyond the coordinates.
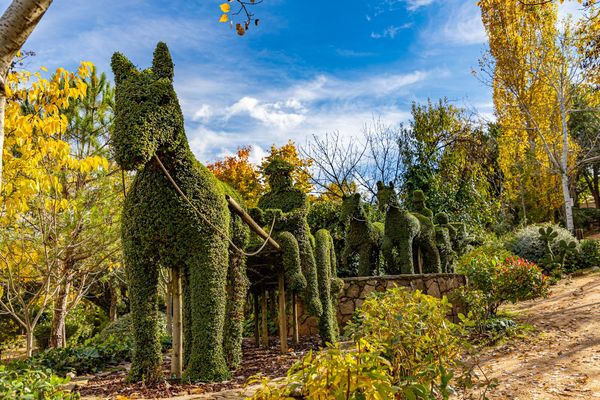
(352, 207)
(386, 196)
(147, 113)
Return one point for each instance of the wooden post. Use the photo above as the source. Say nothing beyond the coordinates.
(169, 302)
(296, 334)
(256, 320)
(282, 316)
(265, 326)
(176, 359)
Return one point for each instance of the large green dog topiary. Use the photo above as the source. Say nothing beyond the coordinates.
(160, 228)
(405, 232)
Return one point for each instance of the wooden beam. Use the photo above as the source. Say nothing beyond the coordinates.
(282, 316)
(251, 223)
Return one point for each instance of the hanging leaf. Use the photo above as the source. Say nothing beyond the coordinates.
(225, 7)
(224, 18)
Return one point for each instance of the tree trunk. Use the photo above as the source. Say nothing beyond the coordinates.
(16, 24)
(114, 303)
(57, 336)
(29, 341)
(564, 166)
(595, 187)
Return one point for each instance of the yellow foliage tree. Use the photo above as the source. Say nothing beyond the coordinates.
(46, 213)
(530, 65)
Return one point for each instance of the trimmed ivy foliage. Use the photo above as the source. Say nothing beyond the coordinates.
(161, 229)
(237, 286)
(406, 232)
(329, 285)
(401, 229)
(444, 232)
(362, 236)
(289, 206)
(309, 262)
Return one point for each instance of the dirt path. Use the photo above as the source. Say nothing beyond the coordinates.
(561, 358)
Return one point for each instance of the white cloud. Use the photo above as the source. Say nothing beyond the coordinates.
(270, 114)
(390, 32)
(203, 113)
(413, 5)
(463, 25)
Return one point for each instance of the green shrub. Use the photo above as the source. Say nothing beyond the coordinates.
(34, 384)
(121, 328)
(89, 358)
(510, 279)
(10, 333)
(528, 244)
(586, 218)
(403, 345)
(588, 256)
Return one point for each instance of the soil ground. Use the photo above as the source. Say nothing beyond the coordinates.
(269, 362)
(560, 359)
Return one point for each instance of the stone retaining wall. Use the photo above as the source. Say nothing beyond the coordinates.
(356, 289)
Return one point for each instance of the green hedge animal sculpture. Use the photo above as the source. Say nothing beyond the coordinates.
(362, 236)
(160, 228)
(405, 235)
(288, 205)
(317, 275)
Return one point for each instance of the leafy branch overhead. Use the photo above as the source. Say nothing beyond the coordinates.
(243, 10)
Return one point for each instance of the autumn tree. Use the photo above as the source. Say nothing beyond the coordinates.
(239, 173)
(16, 24)
(535, 70)
(29, 251)
(87, 231)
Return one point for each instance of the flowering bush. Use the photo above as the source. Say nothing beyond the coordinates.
(502, 280)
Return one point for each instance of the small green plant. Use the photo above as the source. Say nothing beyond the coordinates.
(89, 358)
(34, 384)
(588, 256)
(554, 260)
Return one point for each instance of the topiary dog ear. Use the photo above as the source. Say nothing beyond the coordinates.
(122, 67)
(162, 64)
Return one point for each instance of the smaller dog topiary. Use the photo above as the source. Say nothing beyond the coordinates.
(407, 234)
(362, 236)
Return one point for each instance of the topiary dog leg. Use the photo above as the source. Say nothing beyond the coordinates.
(142, 273)
(207, 265)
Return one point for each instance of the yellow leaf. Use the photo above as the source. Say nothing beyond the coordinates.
(224, 18)
(225, 7)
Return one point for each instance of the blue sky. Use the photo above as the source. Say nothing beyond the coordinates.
(310, 67)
